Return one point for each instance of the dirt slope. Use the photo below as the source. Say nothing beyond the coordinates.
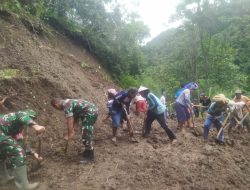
(58, 67)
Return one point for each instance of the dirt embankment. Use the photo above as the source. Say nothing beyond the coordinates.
(57, 67)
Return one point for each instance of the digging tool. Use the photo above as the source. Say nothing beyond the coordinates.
(192, 117)
(193, 128)
(2, 102)
(240, 122)
(200, 106)
(39, 148)
(130, 127)
(223, 126)
(241, 119)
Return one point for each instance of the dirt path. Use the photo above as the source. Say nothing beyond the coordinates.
(60, 68)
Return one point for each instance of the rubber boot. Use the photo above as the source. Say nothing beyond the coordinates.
(4, 175)
(21, 179)
(88, 156)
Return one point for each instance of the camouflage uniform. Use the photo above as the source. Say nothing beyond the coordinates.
(10, 125)
(86, 113)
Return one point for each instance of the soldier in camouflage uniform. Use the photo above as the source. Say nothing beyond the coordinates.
(11, 125)
(84, 113)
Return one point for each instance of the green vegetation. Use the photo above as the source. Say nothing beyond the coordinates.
(8, 73)
(211, 46)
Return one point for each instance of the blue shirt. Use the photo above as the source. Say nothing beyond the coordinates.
(121, 98)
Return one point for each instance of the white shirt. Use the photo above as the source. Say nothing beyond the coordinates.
(163, 99)
(184, 98)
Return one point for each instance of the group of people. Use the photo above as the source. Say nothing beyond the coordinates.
(83, 114)
(146, 102)
(216, 110)
(13, 151)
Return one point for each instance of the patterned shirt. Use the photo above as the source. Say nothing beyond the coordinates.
(14, 123)
(77, 107)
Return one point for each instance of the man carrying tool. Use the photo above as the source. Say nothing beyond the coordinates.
(215, 116)
(11, 128)
(120, 110)
(83, 113)
(204, 103)
(156, 111)
(240, 98)
(183, 108)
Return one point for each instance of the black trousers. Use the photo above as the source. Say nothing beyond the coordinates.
(151, 116)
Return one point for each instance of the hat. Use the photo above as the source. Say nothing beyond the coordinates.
(191, 86)
(221, 98)
(31, 113)
(142, 88)
(238, 92)
(112, 91)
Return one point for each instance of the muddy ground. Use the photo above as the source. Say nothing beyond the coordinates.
(55, 66)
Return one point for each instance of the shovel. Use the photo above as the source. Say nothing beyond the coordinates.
(193, 131)
(223, 126)
(130, 128)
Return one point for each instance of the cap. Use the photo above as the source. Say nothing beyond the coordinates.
(191, 86)
(112, 91)
(238, 92)
(221, 98)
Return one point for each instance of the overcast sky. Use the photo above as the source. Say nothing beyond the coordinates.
(154, 13)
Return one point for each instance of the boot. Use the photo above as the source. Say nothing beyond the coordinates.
(4, 175)
(88, 156)
(21, 179)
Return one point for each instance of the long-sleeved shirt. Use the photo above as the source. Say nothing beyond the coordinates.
(13, 123)
(184, 98)
(121, 98)
(154, 104)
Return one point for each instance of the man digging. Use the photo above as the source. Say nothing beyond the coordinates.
(83, 113)
(156, 111)
(11, 128)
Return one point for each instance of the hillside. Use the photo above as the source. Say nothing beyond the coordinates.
(47, 67)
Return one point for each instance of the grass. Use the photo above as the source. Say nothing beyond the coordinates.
(8, 73)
